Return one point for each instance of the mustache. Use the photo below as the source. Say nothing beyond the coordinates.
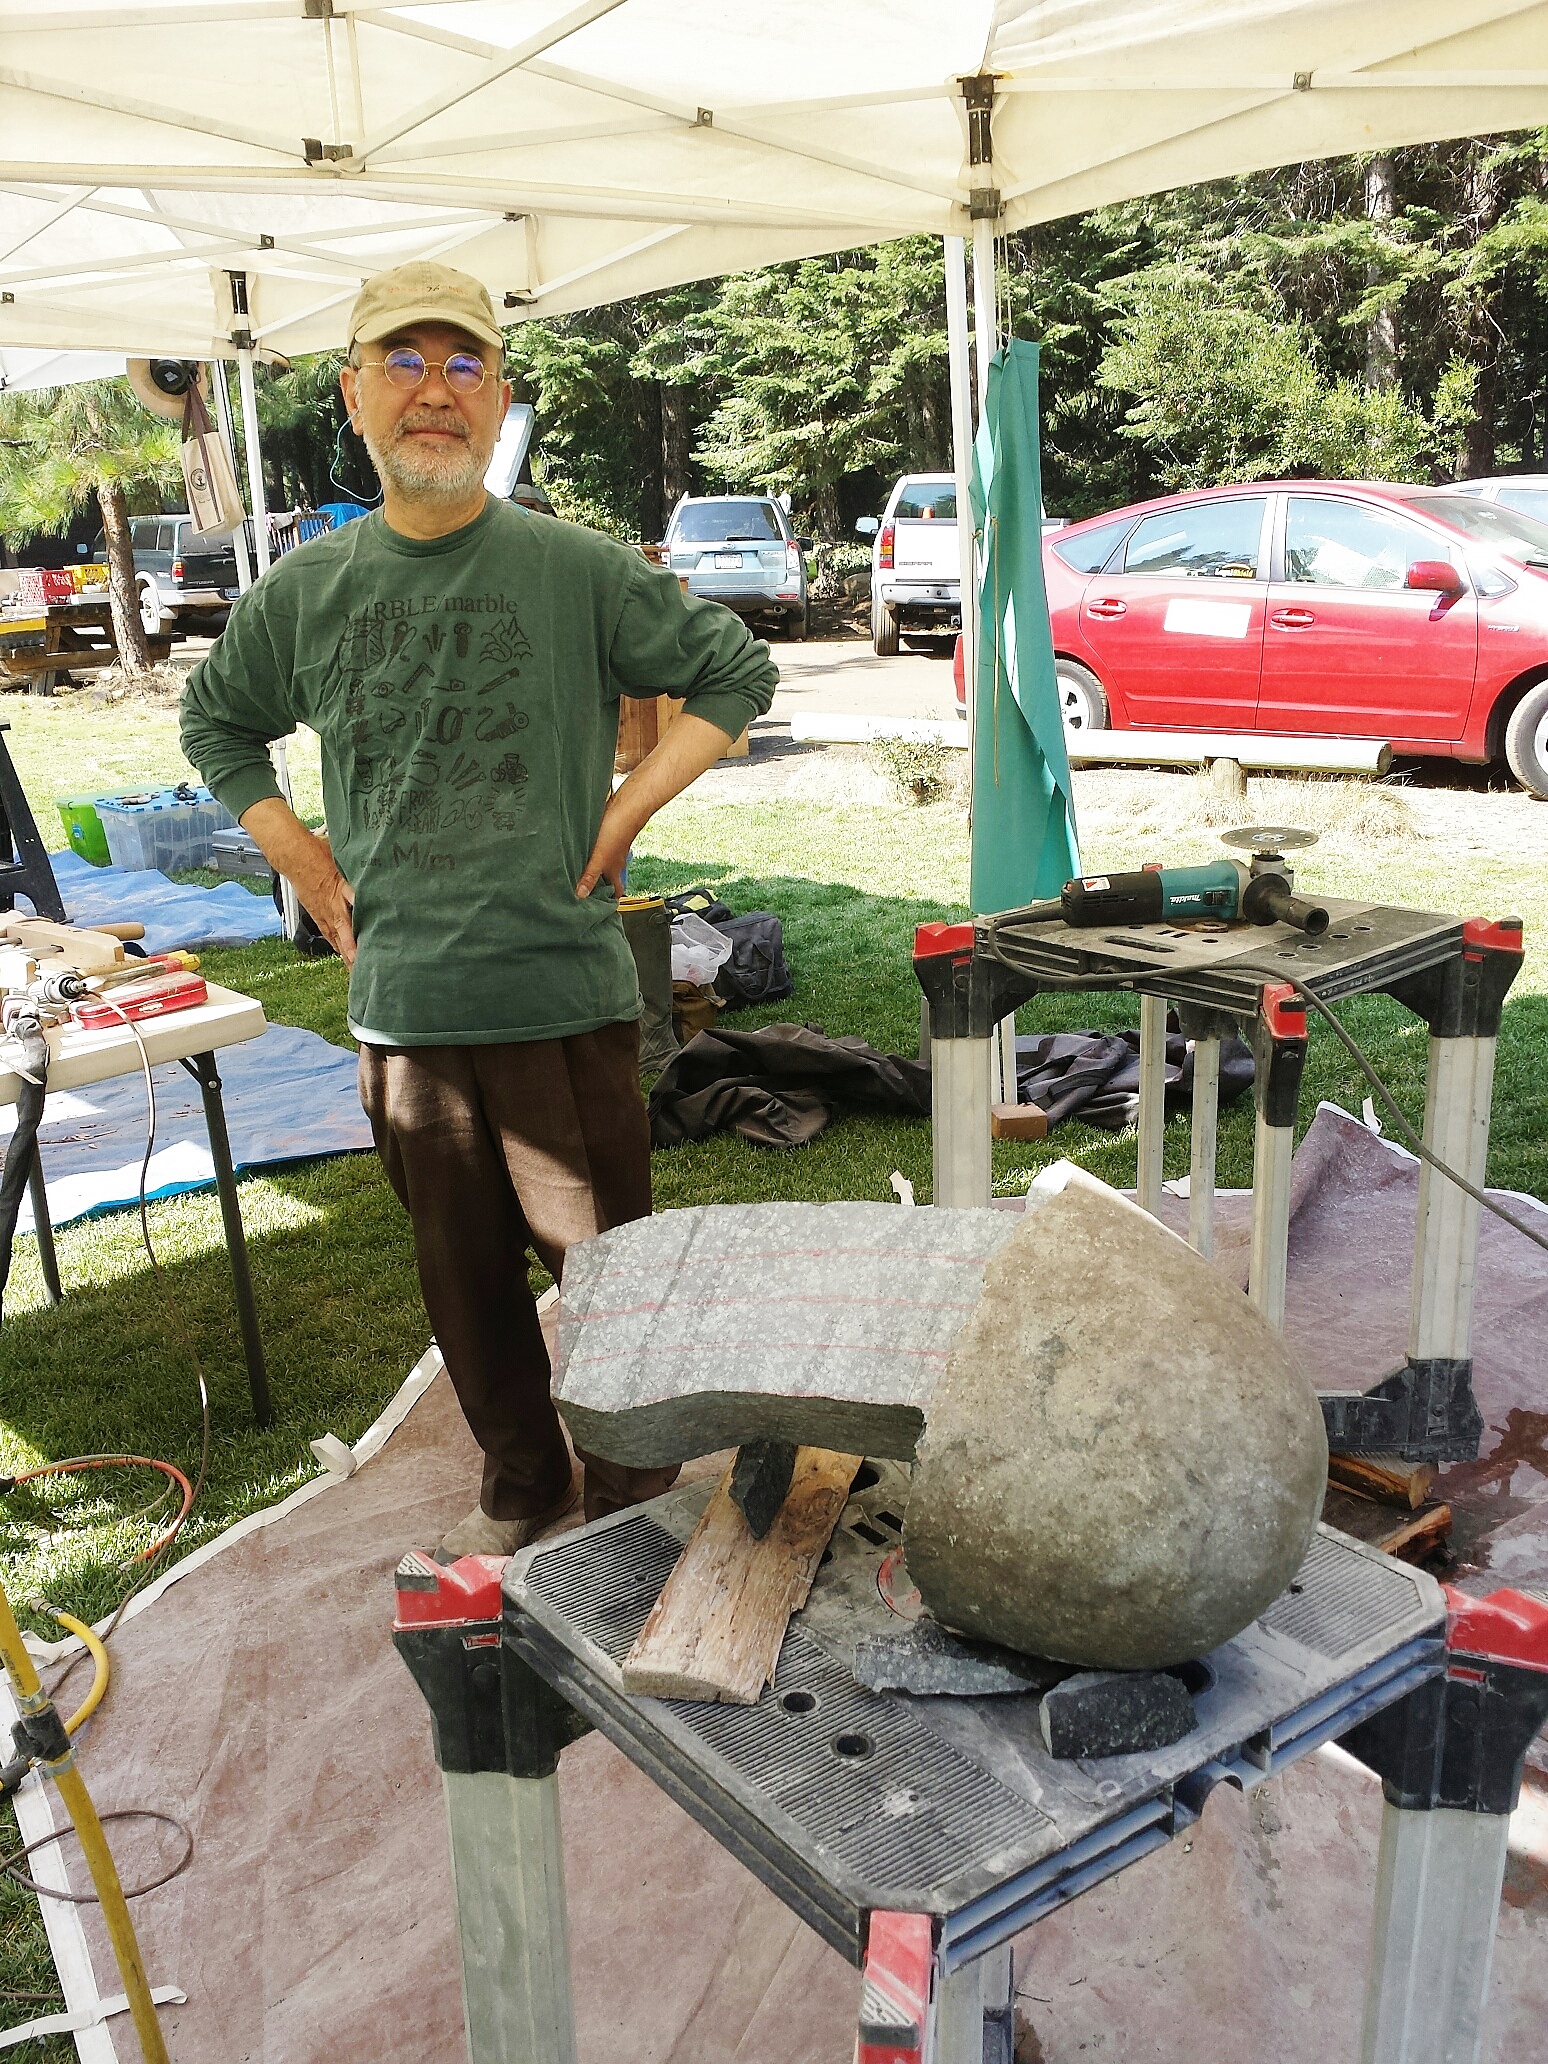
(447, 421)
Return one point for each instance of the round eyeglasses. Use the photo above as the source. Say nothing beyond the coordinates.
(464, 372)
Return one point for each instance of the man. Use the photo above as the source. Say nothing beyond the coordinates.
(462, 660)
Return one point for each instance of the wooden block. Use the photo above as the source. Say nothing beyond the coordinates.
(74, 945)
(1017, 1121)
(1387, 1478)
(715, 1631)
(1406, 1534)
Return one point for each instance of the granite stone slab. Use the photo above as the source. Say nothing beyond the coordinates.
(824, 1324)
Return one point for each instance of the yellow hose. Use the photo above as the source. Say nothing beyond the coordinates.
(99, 1682)
(34, 1704)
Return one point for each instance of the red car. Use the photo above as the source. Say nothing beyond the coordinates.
(1312, 608)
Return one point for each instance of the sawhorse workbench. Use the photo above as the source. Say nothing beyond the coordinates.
(1453, 974)
(920, 1836)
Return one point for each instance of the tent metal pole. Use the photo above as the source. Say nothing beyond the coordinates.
(986, 328)
(228, 431)
(962, 454)
(242, 341)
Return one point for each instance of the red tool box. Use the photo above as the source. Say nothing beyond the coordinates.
(152, 999)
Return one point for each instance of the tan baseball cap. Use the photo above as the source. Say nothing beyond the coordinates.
(423, 292)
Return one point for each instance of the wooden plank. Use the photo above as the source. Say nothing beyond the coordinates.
(1406, 1534)
(1387, 1478)
(715, 1631)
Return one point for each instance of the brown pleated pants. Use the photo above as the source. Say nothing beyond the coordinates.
(495, 1150)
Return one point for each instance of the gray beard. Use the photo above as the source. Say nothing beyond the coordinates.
(421, 475)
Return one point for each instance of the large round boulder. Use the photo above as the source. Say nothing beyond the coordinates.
(1124, 1462)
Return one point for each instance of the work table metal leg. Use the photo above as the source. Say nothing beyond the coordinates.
(1206, 1130)
(1438, 1879)
(507, 1861)
(959, 1120)
(498, 1730)
(1458, 1094)
(1450, 1758)
(43, 1225)
(202, 1068)
(1152, 1103)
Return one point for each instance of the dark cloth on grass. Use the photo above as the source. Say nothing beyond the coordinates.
(780, 1086)
(1094, 1076)
(495, 1150)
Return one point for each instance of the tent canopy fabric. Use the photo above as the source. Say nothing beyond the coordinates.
(22, 372)
(573, 155)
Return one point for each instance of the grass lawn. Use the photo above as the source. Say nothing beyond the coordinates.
(331, 1257)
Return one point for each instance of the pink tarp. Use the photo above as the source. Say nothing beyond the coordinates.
(261, 1701)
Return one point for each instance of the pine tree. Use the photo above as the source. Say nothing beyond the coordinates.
(62, 447)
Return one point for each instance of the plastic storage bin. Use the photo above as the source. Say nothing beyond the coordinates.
(167, 828)
(83, 828)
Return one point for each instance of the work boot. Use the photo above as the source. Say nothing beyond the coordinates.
(478, 1534)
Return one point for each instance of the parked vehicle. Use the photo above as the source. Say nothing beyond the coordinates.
(1324, 608)
(916, 571)
(211, 562)
(1527, 493)
(741, 550)
(174, 595)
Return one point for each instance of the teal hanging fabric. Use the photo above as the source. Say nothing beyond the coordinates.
(1024, 844)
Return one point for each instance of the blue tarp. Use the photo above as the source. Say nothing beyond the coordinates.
(173, 913)
(289, 1096)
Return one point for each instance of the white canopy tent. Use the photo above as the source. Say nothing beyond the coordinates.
(24, 371)
(572, 156)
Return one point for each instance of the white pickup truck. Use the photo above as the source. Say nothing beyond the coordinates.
(916, 579)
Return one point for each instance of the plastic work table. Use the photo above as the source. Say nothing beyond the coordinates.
(1450, 972)
(919, 1836)
(192, 1038)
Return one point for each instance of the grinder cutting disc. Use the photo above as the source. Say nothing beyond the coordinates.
(1268, 838)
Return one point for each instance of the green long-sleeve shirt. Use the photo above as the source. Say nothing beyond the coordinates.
(466, 689)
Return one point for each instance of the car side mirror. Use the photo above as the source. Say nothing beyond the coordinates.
(806, 544)
(868, 526)
(1434, 576)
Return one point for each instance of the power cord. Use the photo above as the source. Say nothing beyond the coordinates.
(154, 1556)
(1087, 983)
(1410, 1138)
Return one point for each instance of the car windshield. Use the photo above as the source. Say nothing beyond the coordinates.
(713, 523)
(927, 499)
(1519, 537)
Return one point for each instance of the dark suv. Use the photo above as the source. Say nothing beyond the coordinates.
(174, 594)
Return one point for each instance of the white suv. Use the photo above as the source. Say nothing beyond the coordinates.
(916, 571)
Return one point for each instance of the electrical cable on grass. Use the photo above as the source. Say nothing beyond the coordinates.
(155, 1555)
(13, 1857)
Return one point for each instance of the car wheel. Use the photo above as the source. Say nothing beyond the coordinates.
(884, 630)
(150, 607)
(1082, 698)
(1526, 740)
(798, 628)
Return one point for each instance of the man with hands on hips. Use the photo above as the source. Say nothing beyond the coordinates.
(462, 660)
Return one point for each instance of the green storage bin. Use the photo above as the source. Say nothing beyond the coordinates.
(83, 827)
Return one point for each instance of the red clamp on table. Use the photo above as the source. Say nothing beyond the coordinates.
(457, 1594)
(895, 1989)
(1284, 1011)
(1482, 935)
(932, 940)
